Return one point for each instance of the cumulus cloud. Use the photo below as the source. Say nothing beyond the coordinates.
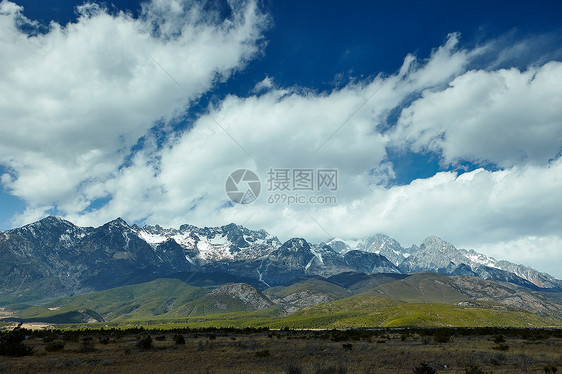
(504, 117)
(539, 252)
(282, 128)
(82, 94)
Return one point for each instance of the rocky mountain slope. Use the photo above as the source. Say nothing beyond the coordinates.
(53, 257)
(402, 299)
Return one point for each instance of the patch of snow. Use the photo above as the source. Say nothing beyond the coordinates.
(261, 278)
(219, 240)
(185, 241)
(318, 256)
(209, 251)
(480, 259)
(151, 238)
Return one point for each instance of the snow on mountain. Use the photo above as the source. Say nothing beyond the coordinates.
(439, 256)
(379, 244)
(54, 257)
(211, 244)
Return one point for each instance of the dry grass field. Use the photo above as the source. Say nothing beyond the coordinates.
(280, 351)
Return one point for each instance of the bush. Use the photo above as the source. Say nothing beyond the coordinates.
(263, 353)
(54, 346)
(501, 347)
(293, 368)
(550, 369)
(87, 344)
(11, 344)
(424, 368)
(475, 370)
(442, 336)
(161, 338)
(49, 338)
(347, 347)
(144, 342)
(498, 339)
(179, 339)
(330, 369)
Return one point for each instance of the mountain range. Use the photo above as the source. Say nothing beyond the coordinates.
(54, 271)
(53, 258)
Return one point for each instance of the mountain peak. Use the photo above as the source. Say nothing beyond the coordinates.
(51, 221)
(433, 239)
(296, 244)
(119, 221)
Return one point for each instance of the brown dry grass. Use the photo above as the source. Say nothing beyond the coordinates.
(236, 353)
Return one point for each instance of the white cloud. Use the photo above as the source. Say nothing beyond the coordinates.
(265, 85)
(505, 117)
(82, 94)
(538, 252)
(282, 128)
(95, 92)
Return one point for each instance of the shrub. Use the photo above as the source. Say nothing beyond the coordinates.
(48, 338)
(330, 369)
(87, 344)
(550, 369)
(263, 353)
(347, 347)
(442, 336)
(498, 339)
(160, 338)
(293, 368)
(200, 346)
(11, 344)
(501, 347)
(424, 368)
(179, 339)
(54, 346)
(475, 370)
(144, 342)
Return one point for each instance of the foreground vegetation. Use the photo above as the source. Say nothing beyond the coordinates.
(262, 350)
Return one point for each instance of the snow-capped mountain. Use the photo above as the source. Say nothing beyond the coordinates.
(379, 244)
(211, 244)
(438, 256)
(53, 257)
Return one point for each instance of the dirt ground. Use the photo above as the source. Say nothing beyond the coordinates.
(281, 352)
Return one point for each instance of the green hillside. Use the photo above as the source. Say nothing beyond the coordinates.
(209, 304)
(361, 282)
(158, 299)
(139, 301)
(313, 286)
(365, 311)
(372, 311)
(420, 288)
(421, 300)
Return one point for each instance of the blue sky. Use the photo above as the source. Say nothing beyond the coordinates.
(442, 118)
